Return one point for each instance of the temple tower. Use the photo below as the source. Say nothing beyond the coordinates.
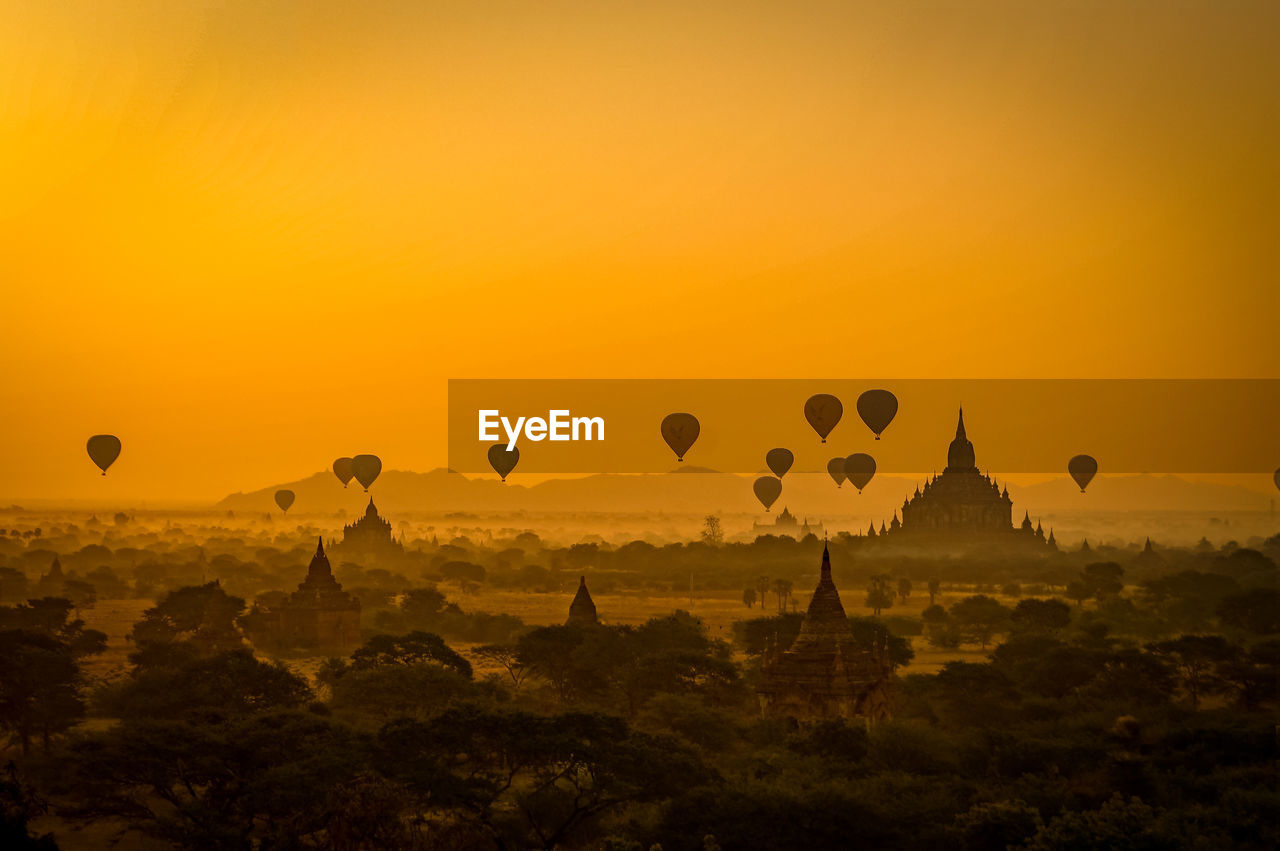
(826, 673)
(582, 611)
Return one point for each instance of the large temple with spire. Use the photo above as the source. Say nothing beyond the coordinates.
(369, 536)
(787, 524)
(826, 673)
(963, 504)
(319, 616)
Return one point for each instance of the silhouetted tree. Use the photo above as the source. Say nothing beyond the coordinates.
(879, 597)
(256, 781)
(507, 657)
(782, 588)
(1040, 616)
(1197, 660)
(979, 618)
(19, 804)
(412, 649)
(39, 686)
(1103, 579)
(1256, 610)
(530, 780)
(201, 618)
(231, 683)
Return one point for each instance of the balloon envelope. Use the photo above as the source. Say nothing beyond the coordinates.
(104, 449)
(344, 469)
(1082, 468)
(858, 469)
(823, 412)
(779, 461)
(366, 468)
(503, 460)
(768, 489)
(284, 499)
(680, 431)
(835, 469)
(1276, 477)
(877, 409)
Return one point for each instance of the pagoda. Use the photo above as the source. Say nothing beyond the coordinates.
(582, 611)
(1149, 559)
(962, 504)
(53, 583)
(787, 524)
(826, 673)
(320, 615)
(370, 535)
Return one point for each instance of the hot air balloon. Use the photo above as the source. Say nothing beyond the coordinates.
(823, 411)
(365, 469)
(768, 489)
(1276, 477)
(343, 469)
(779, 461)
(104, 449)
(502, 459)
(1082, 468)
(835, 469)
(858, 469)
(284, 499)
(680, 431)
(877, 409)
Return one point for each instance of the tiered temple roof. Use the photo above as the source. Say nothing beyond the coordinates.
(320, 614)
(787, 523)
(962, 502)
(370, 534)
(826, 673)
(320, 586)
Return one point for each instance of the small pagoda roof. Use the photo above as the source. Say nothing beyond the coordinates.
(825, 619)
(582, 611)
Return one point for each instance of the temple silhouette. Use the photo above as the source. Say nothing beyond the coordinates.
(320, 615)
(582, 611)
(962, 504)
(53, 583)
(826, 673)
(787, 524)
(369, 537)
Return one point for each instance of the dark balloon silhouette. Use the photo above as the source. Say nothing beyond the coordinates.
(1082, 468)
(779, 461)
(1276, 478)
(768, 489)
(502, 459)
(284, 499)
(680, 431)
(835, 469)
(877, 409)
(823, 412)
(344, 470)
(858, 469)
(366, 468)
(104, 449)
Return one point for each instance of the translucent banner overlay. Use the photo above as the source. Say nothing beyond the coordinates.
(1014, 425)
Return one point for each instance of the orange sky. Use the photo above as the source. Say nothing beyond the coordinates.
(251, 236)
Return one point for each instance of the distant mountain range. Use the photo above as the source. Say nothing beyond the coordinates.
(701, 491)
